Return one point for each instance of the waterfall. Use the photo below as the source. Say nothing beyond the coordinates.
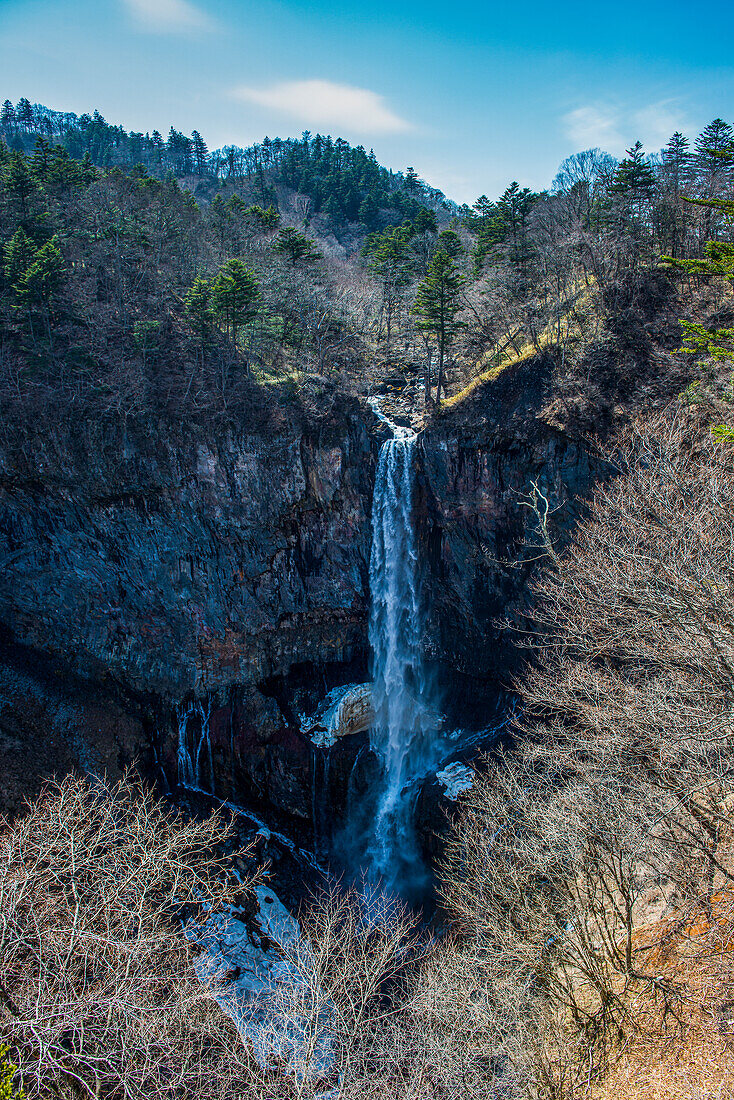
(190, 773)
(404, 729)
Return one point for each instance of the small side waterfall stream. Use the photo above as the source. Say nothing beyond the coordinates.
(405, 725)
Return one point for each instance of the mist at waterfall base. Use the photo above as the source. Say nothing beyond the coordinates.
(405, 741)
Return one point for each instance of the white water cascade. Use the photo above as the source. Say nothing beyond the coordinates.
(404, 733)
(191, 747)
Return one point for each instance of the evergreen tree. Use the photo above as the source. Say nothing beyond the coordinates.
(412, 181)
(389, 260)
(513, 210)
(40, 161)
(198, 307)
(43, 277)
(715, 343)
(24, 114)
(425, 221)
(713, 141)
(437, 305)
(298, 248)
(450, 242)
(158, 147)
(265, 220)
(19, 254)
(200, 153)
(672, 217)
(235, 296)
(7, 116)
(368, 211)
(714, 166)
(677, 164)
(633, 187)
(19, 185)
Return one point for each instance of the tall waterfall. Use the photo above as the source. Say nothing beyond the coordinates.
(404, 728)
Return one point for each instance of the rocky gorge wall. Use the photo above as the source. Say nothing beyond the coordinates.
(480, 467)
(196, 570)
(213, 593)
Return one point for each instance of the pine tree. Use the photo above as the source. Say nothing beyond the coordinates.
(159, 146)
(713, 141)
(412, 182)
(297, 247)
(677, 163)
(265, 220)
(235, 296)
(437, 305)
(198, 307)
(7, 116)
(19, 254)
(450, 241)
(714, 166)
(20, 185)
(388, 259)
(41, 157)
(368, 211)
(425, 221)
(24, 114)
(716, 343)
(672, 217)
(43, 277)
(200, 153)
(513, 211)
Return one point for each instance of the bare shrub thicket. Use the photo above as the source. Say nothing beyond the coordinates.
(104, 891)
(609, 828)
(98, 991)
(326, 1023)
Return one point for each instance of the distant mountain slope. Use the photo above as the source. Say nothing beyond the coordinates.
(343, 182)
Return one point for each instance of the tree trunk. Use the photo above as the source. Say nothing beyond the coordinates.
(429, 353)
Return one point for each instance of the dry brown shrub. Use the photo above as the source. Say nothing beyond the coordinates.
(98, 991)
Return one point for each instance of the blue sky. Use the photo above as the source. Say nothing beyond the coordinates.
(473, 95)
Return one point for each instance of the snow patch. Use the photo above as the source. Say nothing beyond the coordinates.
(344, 710)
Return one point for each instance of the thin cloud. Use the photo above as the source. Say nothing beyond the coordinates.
(587, 127)
(657, 123)
(325, 105)
(169, 16)
(615, 128)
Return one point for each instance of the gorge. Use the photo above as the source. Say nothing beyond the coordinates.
(243, 571)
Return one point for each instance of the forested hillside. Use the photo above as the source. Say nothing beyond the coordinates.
(127, 289)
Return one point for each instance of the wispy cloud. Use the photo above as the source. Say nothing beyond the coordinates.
(323, 104)
(169, 16)
(615, 128)
(587, 127)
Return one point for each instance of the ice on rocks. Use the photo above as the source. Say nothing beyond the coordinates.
(261, 973)
(346, 709)
(455, 779)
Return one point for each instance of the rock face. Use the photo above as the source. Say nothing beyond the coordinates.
(480, 539)
(192, 571)
(193, 606)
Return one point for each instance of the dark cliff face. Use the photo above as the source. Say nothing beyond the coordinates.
(480, 467)
(195, 570)
(221, 590)
(226, 565)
